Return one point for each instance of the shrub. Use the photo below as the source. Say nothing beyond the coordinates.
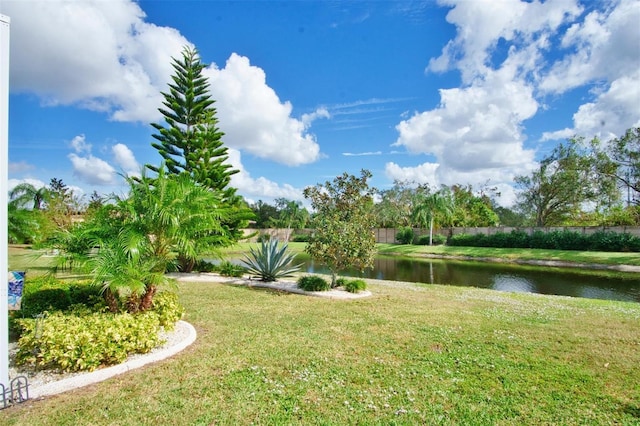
(468, 240)
(405, 235)
(262, 238)
(313, 283)
(355, 286)
(45, 299)
(568, 240)
(301, 238)
(80, 340)
(341, 281)
(168, 309)
(438, 239)
(271, 261)
(229, 269)
(613, 241)
(204, 266)
(85, 293)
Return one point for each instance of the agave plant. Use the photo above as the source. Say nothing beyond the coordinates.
(271, 261)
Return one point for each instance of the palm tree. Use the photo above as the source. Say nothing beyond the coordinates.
(164, 219)
(291, 215)
(23, 224)
(433, 207)
(28, 196)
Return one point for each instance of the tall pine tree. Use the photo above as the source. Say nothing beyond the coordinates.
(190, 142)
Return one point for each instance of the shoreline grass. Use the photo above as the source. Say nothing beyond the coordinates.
(410, 354)
(506, 254)
(593, 257)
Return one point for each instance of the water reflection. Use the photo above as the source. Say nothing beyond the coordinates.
(502, 277)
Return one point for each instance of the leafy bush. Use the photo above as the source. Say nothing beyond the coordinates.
(85, 293)
(204, 266)
(271, 261)
(355, 286)
(45, 299)
(405, 235)
(168, 309)
(313, 283)
(341, 281)
(229, 269)
(82, 340)
(467, 240)
(438, 239)
(613, 241)
(301, 238)
(558, 240)
(263, 238)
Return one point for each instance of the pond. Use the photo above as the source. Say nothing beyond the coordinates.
(590, 284)
(499, 276)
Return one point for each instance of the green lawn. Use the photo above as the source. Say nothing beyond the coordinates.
(604, 258)
(410, 354)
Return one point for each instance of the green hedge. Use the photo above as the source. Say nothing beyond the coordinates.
(46, 293)
(313, 283)
(557, 240)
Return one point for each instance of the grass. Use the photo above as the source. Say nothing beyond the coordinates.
(604, 258)
(410, 354)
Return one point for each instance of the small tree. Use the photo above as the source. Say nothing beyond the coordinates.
(343, 219)
(433, 208)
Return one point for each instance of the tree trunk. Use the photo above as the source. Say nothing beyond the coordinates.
(186, 264)
(133, 304)
(147, 299)
(431, 231)
(111, 300)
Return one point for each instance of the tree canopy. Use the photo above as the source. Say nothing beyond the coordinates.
(342, 222)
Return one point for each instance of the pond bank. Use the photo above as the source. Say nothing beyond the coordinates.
(532, 262)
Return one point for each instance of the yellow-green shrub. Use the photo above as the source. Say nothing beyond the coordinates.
(85, 340)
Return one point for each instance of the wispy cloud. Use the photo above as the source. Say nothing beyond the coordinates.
(361, 154)
(372, 101)
(363, 113)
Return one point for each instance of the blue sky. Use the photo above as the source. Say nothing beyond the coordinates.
(447, 92)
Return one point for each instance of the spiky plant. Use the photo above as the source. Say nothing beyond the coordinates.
(271, 261)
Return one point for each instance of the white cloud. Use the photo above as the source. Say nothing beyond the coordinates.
(476, 134)
(20, 167)
(96, 171)
(125, 159)
(603, 51)
(424, 173)
(80, 145)
(481, 23)
(100, 55)
(254, 119)
(603, 46)
(321, 112)
(259, 187)
(474, 129)
(92, 170)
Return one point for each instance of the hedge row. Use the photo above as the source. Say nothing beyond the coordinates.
(558, 240)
